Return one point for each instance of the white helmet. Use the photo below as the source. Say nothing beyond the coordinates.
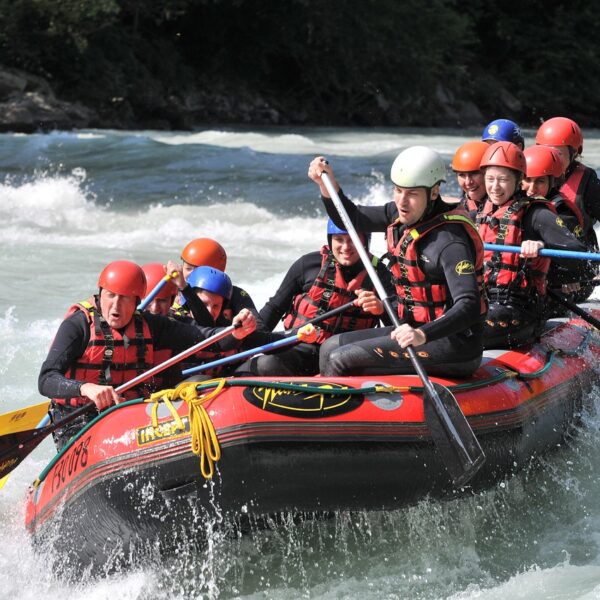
(418, 166)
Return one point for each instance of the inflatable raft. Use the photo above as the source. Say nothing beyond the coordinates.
(144, 472)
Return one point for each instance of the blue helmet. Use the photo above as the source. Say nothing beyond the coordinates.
(503, 130)
(333, 229)
(211, 280)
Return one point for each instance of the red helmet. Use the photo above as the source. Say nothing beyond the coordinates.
(542, 160)
(504, 154)
(154, 273)
(560, 131)
(123, 277)
(468, 157)
(204, 252)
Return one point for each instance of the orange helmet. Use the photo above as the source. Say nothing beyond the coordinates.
(560, 131)
(468, 157)
(204, 252)
(123, 277)
(504, 154)
(542, 160)
(155, 272)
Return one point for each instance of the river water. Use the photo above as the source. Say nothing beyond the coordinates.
(71, 202)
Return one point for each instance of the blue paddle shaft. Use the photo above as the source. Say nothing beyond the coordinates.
(288, 341)
(142, 305)
(546, 252)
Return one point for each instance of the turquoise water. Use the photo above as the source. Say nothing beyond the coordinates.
(71, 202)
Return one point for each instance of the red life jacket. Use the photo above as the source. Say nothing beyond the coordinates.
(329, 290)
(419, 300)
(506, 271)
(106, 360)
(572, 192)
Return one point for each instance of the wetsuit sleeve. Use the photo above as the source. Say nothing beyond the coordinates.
(462, 285)
(364, 218)
(197, 307)
(69, 344)
(540, 223)
(297, 280)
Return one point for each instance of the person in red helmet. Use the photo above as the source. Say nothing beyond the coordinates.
(205, 252)
(543, 177)
(104, 342)
(165, 297)
(580, 190)
(465, 164)
(516, 283)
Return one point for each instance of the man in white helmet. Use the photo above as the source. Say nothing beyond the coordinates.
(437, 268)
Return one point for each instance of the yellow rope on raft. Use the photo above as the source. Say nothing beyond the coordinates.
(205, 444)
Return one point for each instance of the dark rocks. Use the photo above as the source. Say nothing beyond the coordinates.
(28, 104)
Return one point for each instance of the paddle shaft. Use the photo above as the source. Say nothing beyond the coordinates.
(453, 434)
(574, 308)
(177, 358)
(159, 286)
(287, 341)
(546, 252)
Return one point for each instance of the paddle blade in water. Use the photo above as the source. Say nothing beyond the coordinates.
(459, 448)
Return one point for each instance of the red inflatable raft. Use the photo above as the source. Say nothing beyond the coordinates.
(130, 480)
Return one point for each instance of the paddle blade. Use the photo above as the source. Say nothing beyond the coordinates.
(459, 448)
(23, 419)
(15, 447)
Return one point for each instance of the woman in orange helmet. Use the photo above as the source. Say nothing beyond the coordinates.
(469, 176)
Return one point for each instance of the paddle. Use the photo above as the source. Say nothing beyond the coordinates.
(456, 443)
(16, 446)
(574, 308)
(546, 252)
(286, 341)
(22, 419)
(144, 303)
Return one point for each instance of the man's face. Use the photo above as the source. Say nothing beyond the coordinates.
(117, 310)
(344, 250)
(411, 204)
(160, 306)
(213, 302)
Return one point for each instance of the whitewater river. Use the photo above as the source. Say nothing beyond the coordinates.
(71, 202)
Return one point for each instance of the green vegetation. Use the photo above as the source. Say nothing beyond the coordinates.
(357, 62)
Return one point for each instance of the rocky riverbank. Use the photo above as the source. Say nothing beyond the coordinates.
(28, 103)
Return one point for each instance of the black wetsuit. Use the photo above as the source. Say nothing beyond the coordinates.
(302, 359)
(71, 342)
(516, 318)
(454, 341)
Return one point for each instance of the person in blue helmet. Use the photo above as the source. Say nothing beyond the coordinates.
(206, 290)
(503, 130)
(316, 283)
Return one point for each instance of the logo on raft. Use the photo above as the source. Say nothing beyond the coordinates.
(167, 429)
(328, 401)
